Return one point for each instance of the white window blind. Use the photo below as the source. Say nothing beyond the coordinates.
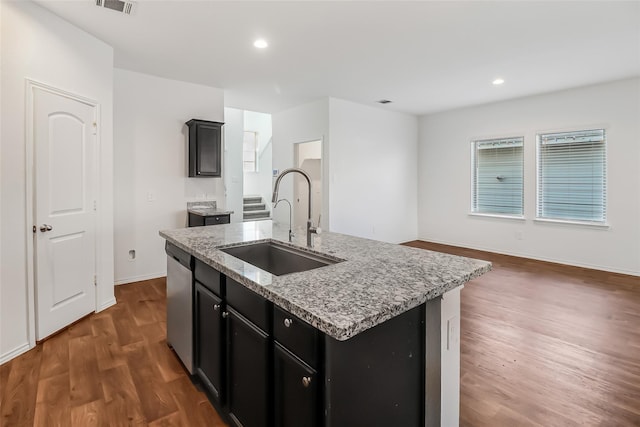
(250, 152)
(497, 186)
(572, 176)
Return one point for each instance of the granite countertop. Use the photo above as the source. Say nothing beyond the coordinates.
(206, 208)
(376, 282)
(208, 211)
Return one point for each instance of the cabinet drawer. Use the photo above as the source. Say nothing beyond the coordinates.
(296, 335)
(217, 219)
(208, 276)
(248, 303)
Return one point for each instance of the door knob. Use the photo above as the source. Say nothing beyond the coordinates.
(45, 227)
(306, 381)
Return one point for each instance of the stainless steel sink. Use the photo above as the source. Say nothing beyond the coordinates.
(278, 259)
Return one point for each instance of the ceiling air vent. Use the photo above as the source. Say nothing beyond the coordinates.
(117, 5)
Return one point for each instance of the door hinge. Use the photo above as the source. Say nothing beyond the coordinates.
(34, 228)
(95, 280)
(95, 128)
(95, 205)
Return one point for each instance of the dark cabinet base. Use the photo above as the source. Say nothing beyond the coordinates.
(263, 367)
(199, 220)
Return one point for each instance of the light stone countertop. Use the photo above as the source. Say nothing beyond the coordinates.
(206, 208)
(376, 282)
(209, 211)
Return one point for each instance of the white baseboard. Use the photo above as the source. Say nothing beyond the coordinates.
(534, 257)
(140, 278)
(108, 303)
(22, 348)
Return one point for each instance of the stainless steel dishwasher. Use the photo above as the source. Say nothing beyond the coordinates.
(179, 304)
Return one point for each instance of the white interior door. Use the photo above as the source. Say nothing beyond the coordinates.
(64, 136)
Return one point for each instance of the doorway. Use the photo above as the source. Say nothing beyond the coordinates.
(307, 156)
(63, 133)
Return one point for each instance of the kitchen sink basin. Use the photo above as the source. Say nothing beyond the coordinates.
(278, 259)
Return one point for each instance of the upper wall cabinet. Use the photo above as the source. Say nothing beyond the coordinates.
(205, 148)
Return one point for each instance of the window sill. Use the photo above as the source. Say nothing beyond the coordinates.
(516, 217)
(602, 225)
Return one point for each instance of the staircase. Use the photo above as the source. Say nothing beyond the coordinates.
(254, 209)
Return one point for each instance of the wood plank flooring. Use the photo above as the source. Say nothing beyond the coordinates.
(545, 344)
(112, 368)
(542, 345)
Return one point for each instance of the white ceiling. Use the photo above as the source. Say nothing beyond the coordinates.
(425, 56)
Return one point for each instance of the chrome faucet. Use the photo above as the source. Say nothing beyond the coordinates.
(274, 199)
(275, 205)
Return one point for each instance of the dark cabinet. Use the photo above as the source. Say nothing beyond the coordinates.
(209, 334)
(200, 220)
(248, 372)
(295, 391)
(264, 367)
(205, 148)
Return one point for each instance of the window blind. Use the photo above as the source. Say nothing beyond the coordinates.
(572, 176)
(498, 176)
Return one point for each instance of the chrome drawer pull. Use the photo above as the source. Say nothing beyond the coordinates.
(306, 381)
(288, 322)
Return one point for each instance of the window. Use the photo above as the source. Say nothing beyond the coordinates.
(497, 187)
(571, 176)
(250, 152)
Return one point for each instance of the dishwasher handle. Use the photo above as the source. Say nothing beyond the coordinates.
(179, 255)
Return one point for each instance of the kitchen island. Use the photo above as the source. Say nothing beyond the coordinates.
(360, 337)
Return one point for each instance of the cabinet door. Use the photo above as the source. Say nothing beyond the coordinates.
(296, 397)
(248, 370)
(209, 341)
(208, 145)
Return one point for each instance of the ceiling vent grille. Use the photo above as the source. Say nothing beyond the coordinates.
(117, 5)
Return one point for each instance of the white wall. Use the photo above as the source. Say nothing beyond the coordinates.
(151, 147)
(373, 172)
(38, 45)
(259, 183)
(307, 122)
(444, 157)
(233, 133)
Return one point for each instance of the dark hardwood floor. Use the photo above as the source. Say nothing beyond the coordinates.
(545, 344)
(542, 345)
(112, 368)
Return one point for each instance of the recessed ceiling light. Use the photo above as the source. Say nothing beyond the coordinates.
(260, 43)
(498, 81)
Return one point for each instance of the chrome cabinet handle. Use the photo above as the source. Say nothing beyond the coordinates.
(306, 381)
(225, 314)
(216, 307)
(45, 227)
(287, 322)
